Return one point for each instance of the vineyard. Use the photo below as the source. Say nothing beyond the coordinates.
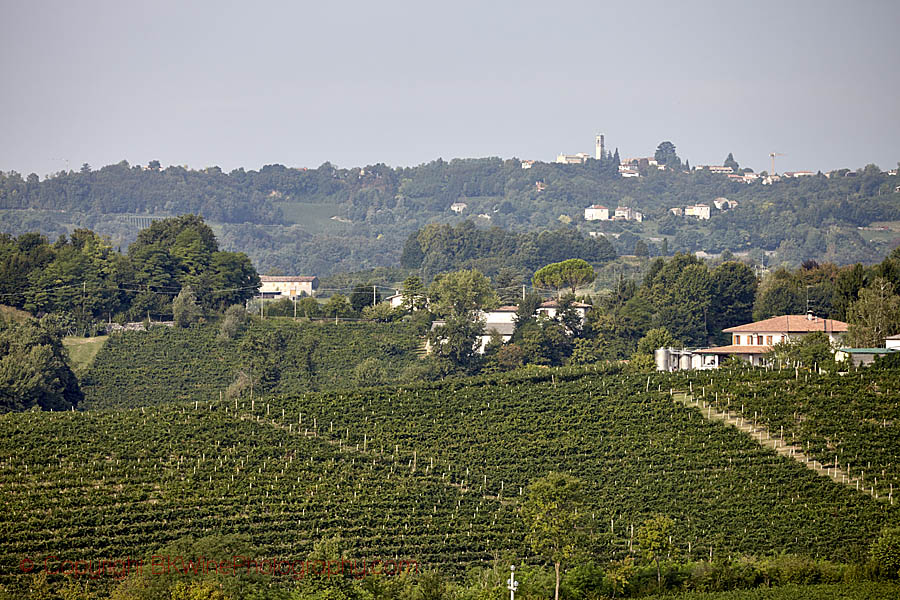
(851, 422)
(430, 472)
(106, 485)
(859, 591)
(142, 368)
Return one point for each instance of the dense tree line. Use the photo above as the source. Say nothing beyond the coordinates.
(83, 280)
(687, 301)
(438, 248)
(269, 213)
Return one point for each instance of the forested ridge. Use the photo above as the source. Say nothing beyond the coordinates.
(327, 220)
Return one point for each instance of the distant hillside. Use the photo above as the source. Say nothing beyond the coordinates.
(164, 364)
(329, 220)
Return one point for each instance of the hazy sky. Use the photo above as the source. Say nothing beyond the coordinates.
(355, 83)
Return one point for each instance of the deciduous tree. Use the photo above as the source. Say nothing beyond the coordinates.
(875, 315)
(553, 511)
(654, 538)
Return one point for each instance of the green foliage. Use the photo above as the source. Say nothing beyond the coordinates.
(185, 309)
(554, 514)
(34, 370)
(875, 315)
(363, 296)
(456, 340)
(446, 248)
(655, 338)
(665, 155)
(734, 287)
(413, 294)
(369, 372)
(543, 341)
(337, 306)
(568, 273)
(885, 553)
(680, 291)
(82, 276)
(233, 321)
(654, 538)
(730, 162)
(586, 351)
(380, 313)
(462, 293)
(813, 350)
(641, 363)
(779, 294)
(283, 217)
(450, 457)
(137, 368)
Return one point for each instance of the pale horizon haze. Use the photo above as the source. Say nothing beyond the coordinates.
(403, 83)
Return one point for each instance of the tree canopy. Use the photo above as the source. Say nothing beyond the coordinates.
(568, 273)
(553, 511)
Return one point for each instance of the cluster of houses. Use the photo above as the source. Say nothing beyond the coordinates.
(598, 212)
(703, 211)
(752, 343)
(502, 321)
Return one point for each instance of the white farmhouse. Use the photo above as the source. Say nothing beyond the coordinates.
(596, 212)
(701, 211)
(276, 286)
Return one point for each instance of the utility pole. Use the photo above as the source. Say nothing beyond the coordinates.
(83, 292)
(374, 295)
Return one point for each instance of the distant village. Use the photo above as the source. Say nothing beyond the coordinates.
(633, 167)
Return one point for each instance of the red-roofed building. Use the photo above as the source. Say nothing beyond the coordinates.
(751, 341)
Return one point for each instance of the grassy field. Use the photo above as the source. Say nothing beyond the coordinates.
(314, 218)
(82, 351)
(881, 231)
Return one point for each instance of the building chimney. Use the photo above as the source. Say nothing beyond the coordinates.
(809, 315)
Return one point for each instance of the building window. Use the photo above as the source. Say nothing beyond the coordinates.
(737, 340)
(759, 340)
(768, 340)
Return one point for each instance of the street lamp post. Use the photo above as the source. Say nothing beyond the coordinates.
(513, 585)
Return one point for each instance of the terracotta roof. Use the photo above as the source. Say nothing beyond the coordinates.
(791, 324)
(596, 206)
(893, 337)
(506, 308)
(287, 278)
(736, 350)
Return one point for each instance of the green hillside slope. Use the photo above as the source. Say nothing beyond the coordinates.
(432, 473)
(163, 364)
